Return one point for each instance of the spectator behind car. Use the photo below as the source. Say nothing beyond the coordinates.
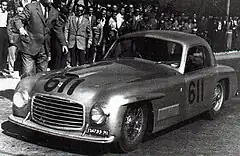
(14, 38)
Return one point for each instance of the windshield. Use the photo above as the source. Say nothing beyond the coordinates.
(160, 51)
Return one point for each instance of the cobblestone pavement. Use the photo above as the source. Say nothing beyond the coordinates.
(195, 137)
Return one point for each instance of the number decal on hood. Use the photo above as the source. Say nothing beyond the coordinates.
(55, 82)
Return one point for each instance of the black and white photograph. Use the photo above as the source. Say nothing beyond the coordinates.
(119, 77)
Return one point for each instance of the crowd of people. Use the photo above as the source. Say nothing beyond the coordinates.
(47, 34)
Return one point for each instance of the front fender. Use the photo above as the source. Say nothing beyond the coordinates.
(115, 109)
(25, 84)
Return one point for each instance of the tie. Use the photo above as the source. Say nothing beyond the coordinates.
(77, 21)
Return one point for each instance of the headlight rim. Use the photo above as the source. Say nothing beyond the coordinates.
(103, 117)
(24, 97)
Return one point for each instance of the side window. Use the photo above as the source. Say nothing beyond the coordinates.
(197, 58)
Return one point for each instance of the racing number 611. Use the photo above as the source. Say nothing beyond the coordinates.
(196, 91)
(52, 83)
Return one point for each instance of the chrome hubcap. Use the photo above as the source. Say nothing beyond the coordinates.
(218, 98)
(133, 123)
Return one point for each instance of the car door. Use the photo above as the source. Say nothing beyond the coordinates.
(199, 80)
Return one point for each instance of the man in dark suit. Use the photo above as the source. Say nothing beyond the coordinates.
(58, 58)
(93, 22)
(78, 34)
(35, 24)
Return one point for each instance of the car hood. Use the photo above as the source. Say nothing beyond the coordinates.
(96, 77)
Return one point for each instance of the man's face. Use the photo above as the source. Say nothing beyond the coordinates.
(114, 14)
(115, 8)
(62, 4)
(109, 13)
(90, 11)
(131, 8)
(194, 15)
(137, 11)
(122, 11)
(19, 10)
(4, 6)
(104, 13)
(79, 10)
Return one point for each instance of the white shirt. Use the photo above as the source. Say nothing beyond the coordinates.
(79, 19)
(113, 23)
(43, 10)
(90, 19)
(120, 20)
(3, 19)
(103, 21)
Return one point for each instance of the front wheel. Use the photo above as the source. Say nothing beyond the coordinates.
(133, 128)
(217, 101)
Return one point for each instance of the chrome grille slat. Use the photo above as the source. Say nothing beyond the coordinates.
(59, 116)
(57, 108)
(53, 119)
(57, 113)
(58, 124)
(69, 107)
(54, 111)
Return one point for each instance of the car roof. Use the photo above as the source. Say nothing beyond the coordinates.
(175, 36)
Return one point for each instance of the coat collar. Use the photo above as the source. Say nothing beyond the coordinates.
(75, 25)
(40, 13)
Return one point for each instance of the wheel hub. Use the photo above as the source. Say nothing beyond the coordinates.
(133, 123)
(218, 98)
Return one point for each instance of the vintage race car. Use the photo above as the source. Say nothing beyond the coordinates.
(146, 82)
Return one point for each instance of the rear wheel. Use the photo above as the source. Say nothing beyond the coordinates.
(133, 128)
(217, 101)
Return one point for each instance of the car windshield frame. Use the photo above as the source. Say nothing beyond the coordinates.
(149, 50)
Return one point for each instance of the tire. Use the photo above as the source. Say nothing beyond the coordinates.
(133, 128)
(217, 101)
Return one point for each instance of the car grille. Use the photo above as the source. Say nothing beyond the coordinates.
(57, 113)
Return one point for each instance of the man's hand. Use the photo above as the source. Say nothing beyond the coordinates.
(11, 41)
(89, 44)
(65, 49)
(23, 32)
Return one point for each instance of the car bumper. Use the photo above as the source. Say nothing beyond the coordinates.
(65, 134)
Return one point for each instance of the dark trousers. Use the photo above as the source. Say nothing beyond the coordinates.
(77, 56)
(3, 48)
(34, 64)
(58, 58)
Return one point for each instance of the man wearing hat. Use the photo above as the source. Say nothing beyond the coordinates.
(78, 35)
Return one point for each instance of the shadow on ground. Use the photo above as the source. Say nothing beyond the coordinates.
(57, 143)
(73, 146)
(8, 94)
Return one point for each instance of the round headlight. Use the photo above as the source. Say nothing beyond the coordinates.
(20, 98)
(98, 116)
